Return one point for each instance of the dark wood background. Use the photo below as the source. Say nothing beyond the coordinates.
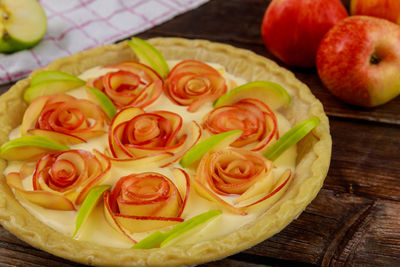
(354, 220)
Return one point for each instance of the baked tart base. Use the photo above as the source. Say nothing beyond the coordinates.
(313, 158)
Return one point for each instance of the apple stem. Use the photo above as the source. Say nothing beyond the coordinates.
(375, 59)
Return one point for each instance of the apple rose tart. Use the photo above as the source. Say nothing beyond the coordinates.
(166, 152)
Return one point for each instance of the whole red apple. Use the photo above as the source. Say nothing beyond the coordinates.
(292, 29)
(358, 60)
(387, 9)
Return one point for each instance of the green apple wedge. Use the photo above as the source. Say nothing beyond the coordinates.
(212, 143)
(29, 146)
(23, 23)
(51, 82)
(272, 94)
(88, 205)
(149, 55)
(290, 138)
(163, 239)
(102, 100)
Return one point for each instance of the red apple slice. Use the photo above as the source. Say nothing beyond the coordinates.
(210, 195)
(32, 113)
(41, 198)
(192, 83)
(153, 161)
(268, 200)
(146, 201)
(65, 139)
(257, 121)
(121, 117)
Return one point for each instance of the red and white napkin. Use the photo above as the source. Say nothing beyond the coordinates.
(78, 25)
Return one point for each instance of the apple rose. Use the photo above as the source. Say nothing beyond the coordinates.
(193, 83)
(146, 201)
(64, 118)
(133, 84)
(253, 117)
(61, 181)
(134, 134)
(237, 179)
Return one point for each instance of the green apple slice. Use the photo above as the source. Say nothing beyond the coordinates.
(28, 146)
(214, 143)
(88, 205)
(163, 239)
(290, 138)
(23, 23)
(188, 225)
(52, 75)
(272, 94)
(102, 100)
(150, 241)
(51, 82)
(149, 55)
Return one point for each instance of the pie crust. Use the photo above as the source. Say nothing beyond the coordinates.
(314, 153)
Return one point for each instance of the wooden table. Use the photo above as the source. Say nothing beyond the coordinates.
(354, 220)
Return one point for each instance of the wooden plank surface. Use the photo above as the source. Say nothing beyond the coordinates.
(354, 220)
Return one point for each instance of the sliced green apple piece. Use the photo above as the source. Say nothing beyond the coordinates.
(272, 94)
(290, 138)
(163, 239)
(212, 143)
(28, 147)
(102, 100)
(51, 82)
(149, 55)
(23, 23)
(150, 241)
(188, 225)
(88, 205)
(52, 75)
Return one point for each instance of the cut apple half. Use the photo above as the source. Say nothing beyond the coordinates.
(29, 147)
(149, 55)
(88, 205)
(290, 138)
(102, 100)
(23, 23)
(51, 82)
(163, 239)
(212, 143)
(272, 94)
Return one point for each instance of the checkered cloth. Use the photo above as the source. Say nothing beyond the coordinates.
(77, 25)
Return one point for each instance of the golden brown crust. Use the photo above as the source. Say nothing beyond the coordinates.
(312, 163)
